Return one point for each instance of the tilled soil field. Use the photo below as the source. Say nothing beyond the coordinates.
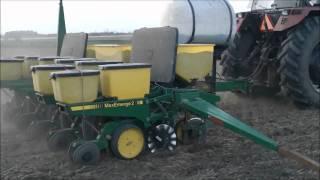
(226, 155)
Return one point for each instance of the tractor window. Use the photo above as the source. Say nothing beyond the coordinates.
(261, 4)
(278, 4)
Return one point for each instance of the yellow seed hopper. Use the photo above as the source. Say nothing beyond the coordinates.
(75, 86)
(11, 69)
(125, 81)
(40, 77)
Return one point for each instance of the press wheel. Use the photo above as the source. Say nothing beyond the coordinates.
(162, 137)
(87, 153)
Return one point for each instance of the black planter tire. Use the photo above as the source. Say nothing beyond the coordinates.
(87, 153)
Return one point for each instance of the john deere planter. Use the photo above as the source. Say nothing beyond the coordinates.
(140, 107)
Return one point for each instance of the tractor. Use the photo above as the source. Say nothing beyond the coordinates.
(277, 49)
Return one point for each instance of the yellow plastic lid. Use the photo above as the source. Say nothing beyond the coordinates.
(51, 67)
(31, 58)
(97, 62)
(11, 60)
(74, 73)
(50, 58)
(68, 61)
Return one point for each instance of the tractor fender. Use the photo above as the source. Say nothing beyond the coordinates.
(294, 17)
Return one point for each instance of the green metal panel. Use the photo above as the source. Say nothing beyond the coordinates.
(209, 111)
(185, 94)
(61, 28)
(135, 108)
(232, 85)
(24, 86)
(211, 98)
(27, 83)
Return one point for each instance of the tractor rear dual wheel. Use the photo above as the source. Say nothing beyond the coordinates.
(300, 62)
(299, 58)
(232, 59)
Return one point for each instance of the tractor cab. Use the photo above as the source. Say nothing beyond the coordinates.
(282, 4)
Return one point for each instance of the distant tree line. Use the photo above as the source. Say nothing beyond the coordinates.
(25, 34)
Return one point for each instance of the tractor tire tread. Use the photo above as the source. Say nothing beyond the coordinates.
(291, 50)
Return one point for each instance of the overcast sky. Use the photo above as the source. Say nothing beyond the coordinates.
(86, 16)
